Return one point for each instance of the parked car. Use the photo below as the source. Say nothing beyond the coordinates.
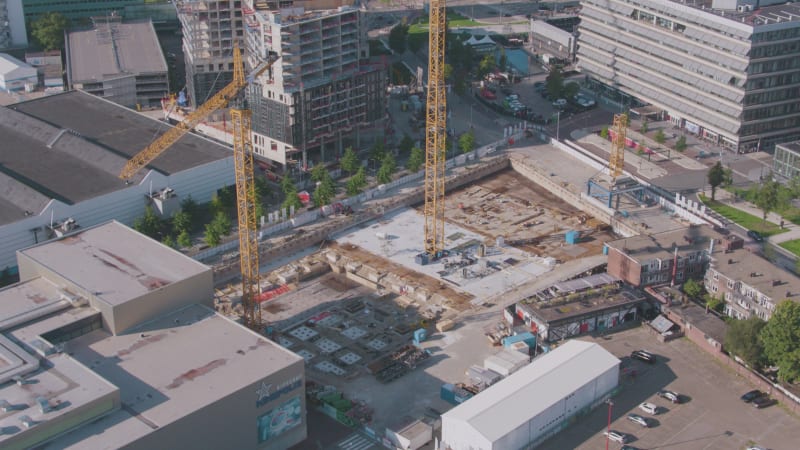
(755, 235)
(560, 103)
(752, 395)
(628, 447)
(617, 436)
(649, 408)
(755, 447)
(637, 419)
(674, 397)
(763, 402)
(644, 355)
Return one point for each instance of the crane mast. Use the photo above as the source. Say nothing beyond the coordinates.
(246, 207)
(243, 166)
(617, 160)
(435, 133)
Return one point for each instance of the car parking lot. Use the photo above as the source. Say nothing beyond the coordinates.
(711, 414)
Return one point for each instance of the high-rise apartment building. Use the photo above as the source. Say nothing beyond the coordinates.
(210, 29)
(725, 70)
(12, 25)
(313, 101)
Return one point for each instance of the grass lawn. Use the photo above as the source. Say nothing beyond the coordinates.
(792, 246)
(742, 218)
(454, 20)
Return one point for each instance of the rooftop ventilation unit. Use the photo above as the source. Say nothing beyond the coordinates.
(27, 421)
(44, 405)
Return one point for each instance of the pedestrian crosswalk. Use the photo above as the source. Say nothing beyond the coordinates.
(357, 441)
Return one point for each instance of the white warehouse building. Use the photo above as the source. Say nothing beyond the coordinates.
(535, 402)
(61, 157)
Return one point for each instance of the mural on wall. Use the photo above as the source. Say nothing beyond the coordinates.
(280, 419)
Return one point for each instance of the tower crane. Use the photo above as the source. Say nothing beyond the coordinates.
(616, 161)
(243, 166)
(435, 133)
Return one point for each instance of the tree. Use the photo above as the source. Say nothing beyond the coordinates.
(781, 340)
(680, 144)
(319, 173)
(660, 137)
(149, 224)
(361, 177)
(728, 177)
(604, 133)
(169, 241)
(216, 205)
(416, 160)
(448, 71)
(377, 152)
(349, 161)
(212, 237)
(222, 223)
(486, 66)
(416, 41)
(184, 240)
(716, 175)
(189, 206)
(693, 289)
(767, 196)
(325, 191)
(742, 339)
(227, 197)
(397, 38)
(181, 222)
(262, 188)
(405, 145)
(48, 30)
(288, 186)
(714, 302)
(555, 84)
(644, 125)
(503, 59)
(352, 187)
(467, 142)
(571, 89)
(387, 169)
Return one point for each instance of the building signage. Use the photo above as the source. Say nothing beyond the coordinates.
(265, 393)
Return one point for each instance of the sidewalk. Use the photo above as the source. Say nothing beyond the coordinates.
(727, 198)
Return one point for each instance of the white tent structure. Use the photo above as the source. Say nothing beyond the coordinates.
(534, 402)
(15, 74)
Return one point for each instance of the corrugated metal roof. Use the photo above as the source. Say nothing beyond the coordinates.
(508, 404)
(661, 324)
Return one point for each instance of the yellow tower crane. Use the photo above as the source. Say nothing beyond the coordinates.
(617, 160)
(243, 166)
(435, 133)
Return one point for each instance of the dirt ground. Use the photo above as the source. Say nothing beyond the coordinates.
(526, 216)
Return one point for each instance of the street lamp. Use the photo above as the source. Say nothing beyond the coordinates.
(558, 123)
(608, 429)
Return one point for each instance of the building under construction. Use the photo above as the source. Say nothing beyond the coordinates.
(210, 29)
(313, 102)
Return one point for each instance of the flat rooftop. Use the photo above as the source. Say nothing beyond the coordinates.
(32, 297)
(119, 130)
(511, 402)
(201, 358)
(565, 308)
(764, 15)
(758, 273)
(113, 49)
(75, 144)
(114, 262)
(662, 245)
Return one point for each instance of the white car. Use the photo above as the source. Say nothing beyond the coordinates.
(616, 436)
(649, 408)
(560, 103)
(635, 418)
(674, 397)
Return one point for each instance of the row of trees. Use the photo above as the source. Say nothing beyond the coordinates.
(775, 342)
(769, 195)
(756, 342)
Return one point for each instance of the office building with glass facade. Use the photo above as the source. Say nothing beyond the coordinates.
(726, 71)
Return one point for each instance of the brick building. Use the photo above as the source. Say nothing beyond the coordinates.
(658, 258)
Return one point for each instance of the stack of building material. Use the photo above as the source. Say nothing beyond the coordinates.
(506, 362)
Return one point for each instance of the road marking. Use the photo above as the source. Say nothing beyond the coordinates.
(356, 441)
